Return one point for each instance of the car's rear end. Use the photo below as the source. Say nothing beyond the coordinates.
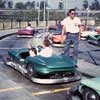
(25, 33)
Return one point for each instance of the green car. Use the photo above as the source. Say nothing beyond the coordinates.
(94, 39)
(54, 69)
(88, 89)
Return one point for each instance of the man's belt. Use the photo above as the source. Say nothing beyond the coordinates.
(71, 33)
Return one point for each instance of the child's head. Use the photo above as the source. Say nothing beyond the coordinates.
(29, 24)
(46, 42)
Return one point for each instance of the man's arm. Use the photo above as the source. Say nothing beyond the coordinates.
(62, 34)
(79, 32)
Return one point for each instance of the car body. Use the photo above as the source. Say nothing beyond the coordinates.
(55, 69)
(88, 89)
(25, 33)
(55, 36)
(97, 29)
(94, 39)
(56, 40)
(52, 28)
(85, 34)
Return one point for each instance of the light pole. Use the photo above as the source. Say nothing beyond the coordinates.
(44, 10)
(48, 10)
(38, 11)
(65, 1)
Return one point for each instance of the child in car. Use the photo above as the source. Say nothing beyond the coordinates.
(29, 27)
(47, 50)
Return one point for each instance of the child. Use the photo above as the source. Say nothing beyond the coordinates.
(47, 50)
(29, 27)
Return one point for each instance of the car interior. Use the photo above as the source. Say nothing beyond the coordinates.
(23, 55)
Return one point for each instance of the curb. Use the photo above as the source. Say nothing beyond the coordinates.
(4, 36)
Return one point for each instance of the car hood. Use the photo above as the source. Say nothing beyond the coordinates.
(59, 61)
(54, 61)
(92, 83)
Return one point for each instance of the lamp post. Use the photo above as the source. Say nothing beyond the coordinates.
(48, 10)
(65, 1)
(44, 10)
(38, 11)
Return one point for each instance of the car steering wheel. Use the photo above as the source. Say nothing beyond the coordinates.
(39, 47)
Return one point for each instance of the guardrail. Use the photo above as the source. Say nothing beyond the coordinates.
(10, 24)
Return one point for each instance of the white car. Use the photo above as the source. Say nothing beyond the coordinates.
(85, 34)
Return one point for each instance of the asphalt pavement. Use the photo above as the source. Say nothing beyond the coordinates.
(84, 67)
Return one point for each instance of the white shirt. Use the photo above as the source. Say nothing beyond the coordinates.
(46, 52)
(29, 28)
(71, 25)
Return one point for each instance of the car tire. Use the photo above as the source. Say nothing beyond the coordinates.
(31, 71)
(89, 94)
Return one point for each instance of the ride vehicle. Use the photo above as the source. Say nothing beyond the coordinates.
(94, 39)
(86, 31)
(55, 36)
(25, 33)
(52, 28)
(51, 70)
(88, 89)
(97, 29)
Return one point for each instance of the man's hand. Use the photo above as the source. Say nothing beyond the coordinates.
(62, 39)
(62, 35)
(79, 36)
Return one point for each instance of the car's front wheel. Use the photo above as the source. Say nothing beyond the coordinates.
(31, 71)
(89, 94)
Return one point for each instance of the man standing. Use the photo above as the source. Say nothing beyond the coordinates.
(71, 27)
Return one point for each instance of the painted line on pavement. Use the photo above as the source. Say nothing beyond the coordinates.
(10, 89)
(50, 91)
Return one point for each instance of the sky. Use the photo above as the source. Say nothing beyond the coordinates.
(54, 3)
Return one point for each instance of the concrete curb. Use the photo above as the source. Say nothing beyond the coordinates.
(6, 35)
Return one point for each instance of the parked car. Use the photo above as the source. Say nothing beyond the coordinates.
(88, 89)
(25, 33)
(54, 69)
(94, 39)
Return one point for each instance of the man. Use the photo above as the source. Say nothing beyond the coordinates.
(71, 27)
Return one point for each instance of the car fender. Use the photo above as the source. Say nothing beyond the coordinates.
(91, 83)
(82, 87)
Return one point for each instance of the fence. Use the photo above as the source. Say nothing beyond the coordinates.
(4, 25)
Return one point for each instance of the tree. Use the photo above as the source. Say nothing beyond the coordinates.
(33, 4)
(10, 4)
(28, 5)
(2, 4)
(95, 5)
(85, 4)
(60, 6)
(20, 5)
(42, 4)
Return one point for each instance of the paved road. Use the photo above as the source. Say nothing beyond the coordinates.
(13, 86)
